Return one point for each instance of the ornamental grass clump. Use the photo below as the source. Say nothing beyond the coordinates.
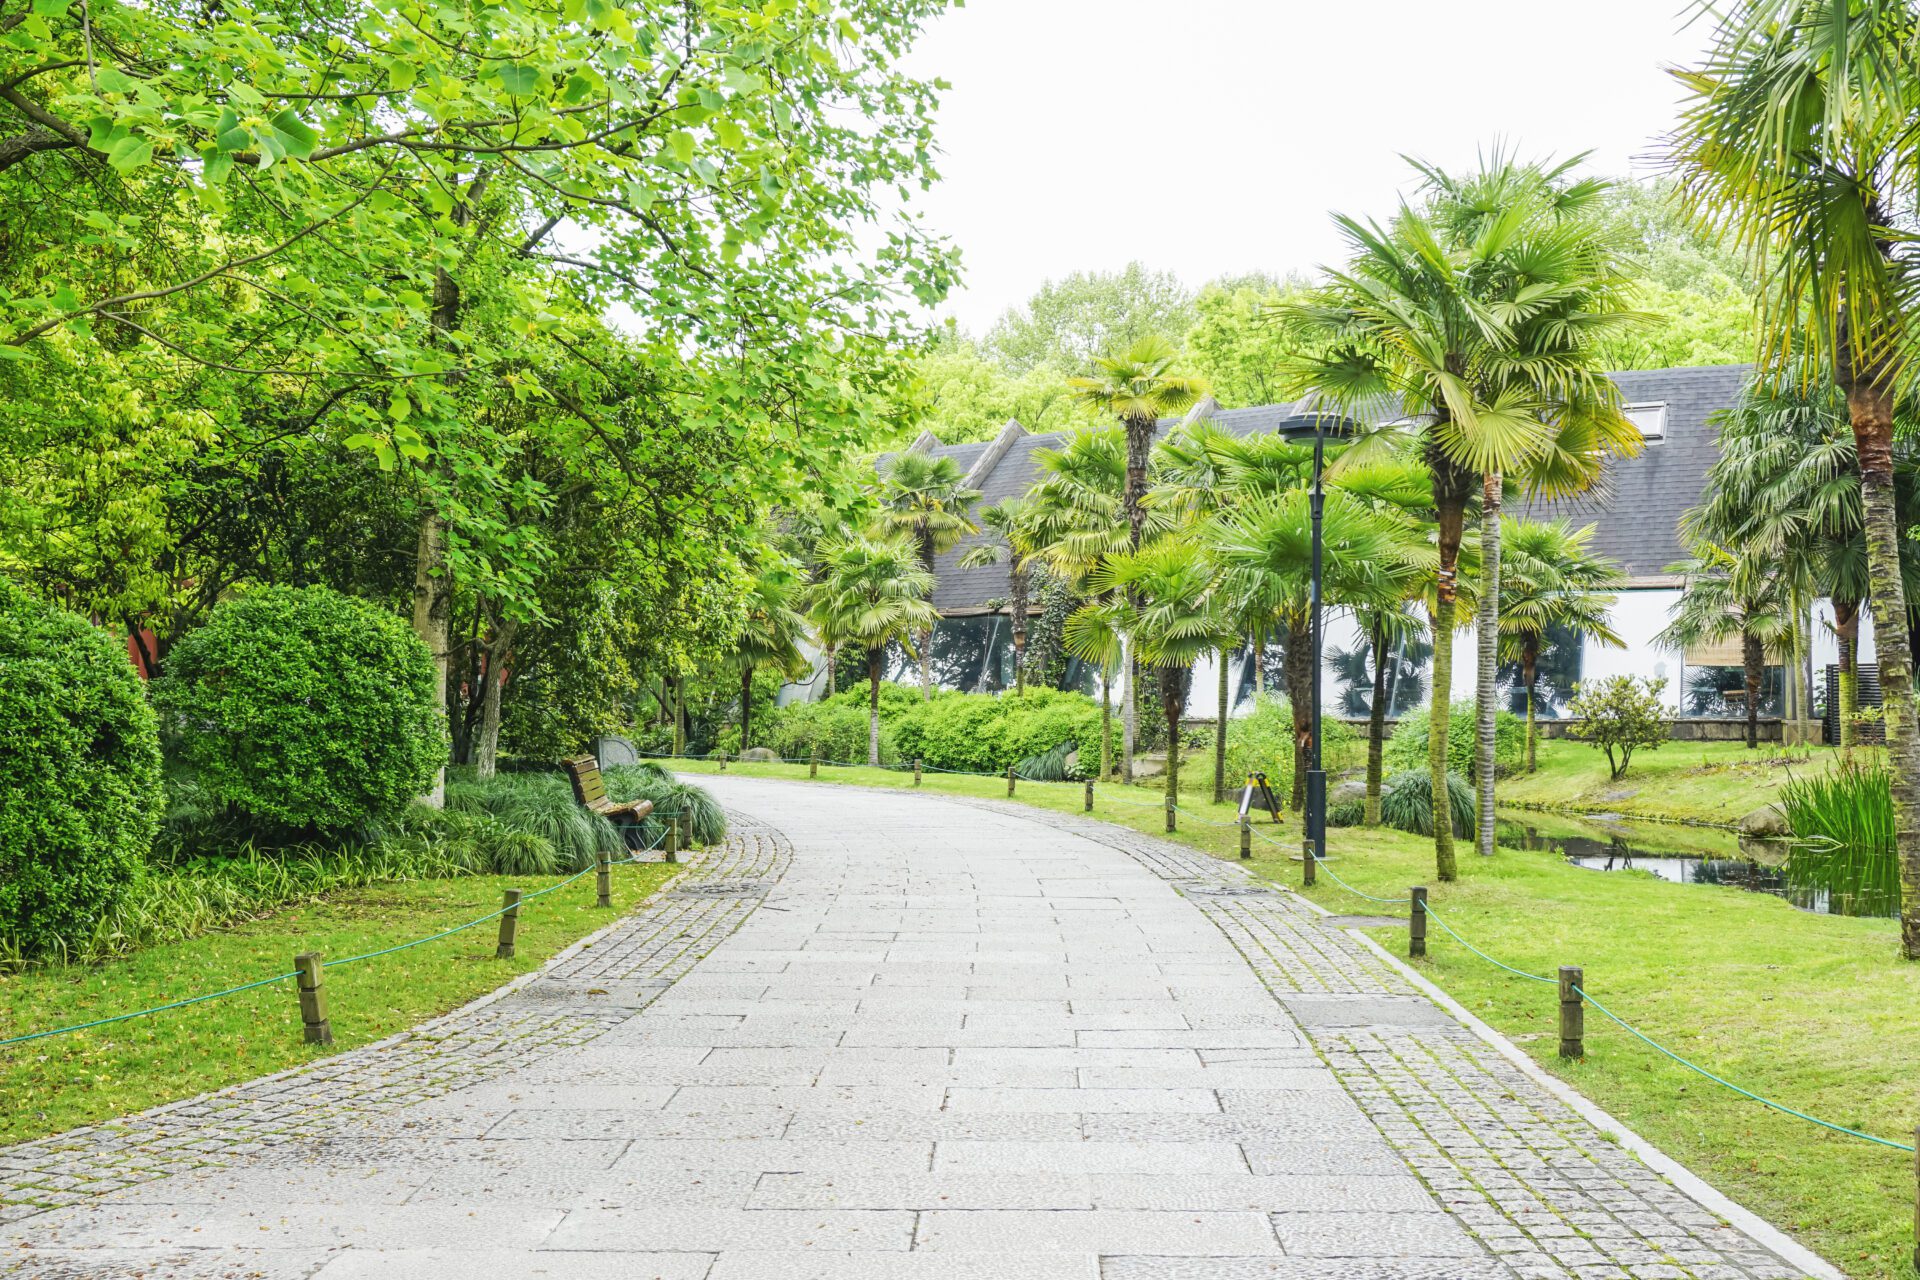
(1843, 837)
(1406, 802)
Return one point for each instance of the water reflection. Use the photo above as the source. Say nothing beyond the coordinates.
(1686, 855)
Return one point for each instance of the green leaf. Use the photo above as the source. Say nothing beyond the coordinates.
(51, 8)
(113, 80)
(680, 142)
(295, 135)
(130, 153)
(730, 134)
(520, 79)
(578, 89)
(14, 353)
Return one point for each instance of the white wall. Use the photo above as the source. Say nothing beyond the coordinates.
(1638, 616)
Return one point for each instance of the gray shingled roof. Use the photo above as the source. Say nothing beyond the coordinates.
(1635, 507)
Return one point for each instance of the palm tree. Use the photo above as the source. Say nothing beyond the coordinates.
(1073, 518)
(1551, 579)
(1475, 341)
(1798, 143)
(1005, 520)
(1163, 596)
(1730, 595)
(1139, 386)
(1387, 628)
(873, 592)
(925, 499)
(770, 633)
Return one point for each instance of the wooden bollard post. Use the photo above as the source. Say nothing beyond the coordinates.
(686, 829)
(1417, 922)
(1916, 1201)
(723, 760)
(1246, 836)
(672, 850)
(603, 880)
(1573, 1012)
(314, 1024)
(509, 923)
(916, 771)
(1307, 863)
(1009, 779)
(1170, 811)
(813, 765)
(1087, 805)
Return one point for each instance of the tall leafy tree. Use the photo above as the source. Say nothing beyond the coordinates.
(923, 498)
(1067, 322)
(873, 592)
(1466, 328)
(1551, 582)
(1797, 143)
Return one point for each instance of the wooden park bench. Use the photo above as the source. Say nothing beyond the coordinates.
(590, 790)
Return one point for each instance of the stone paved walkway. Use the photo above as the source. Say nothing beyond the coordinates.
(887, 1036)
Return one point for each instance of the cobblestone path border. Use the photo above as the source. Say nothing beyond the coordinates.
(595, 984)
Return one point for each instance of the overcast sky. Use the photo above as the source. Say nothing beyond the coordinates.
(1213, 136)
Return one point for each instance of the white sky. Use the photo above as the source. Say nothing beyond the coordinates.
(1214, 136)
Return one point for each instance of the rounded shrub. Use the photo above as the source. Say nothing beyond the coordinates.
(80, 789)
(306, 709)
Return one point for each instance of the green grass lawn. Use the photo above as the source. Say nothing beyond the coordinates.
(1815, 1011)
(59, 1082)
(1709, 782)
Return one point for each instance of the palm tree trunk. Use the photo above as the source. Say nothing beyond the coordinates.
(746, 707)
(1487, 639)
(1139, 449)
(1846, 629)
(1173, 697)
(1220, 734)
(1451, 487)
(1106, 724)
(1870, 408)
(1376, 722)
(1530, 665)
(1128, 712)
(1257, 644)
(1298, 666)
(874, 670)
(830, 654)
(1753, 663)
(1017, 597)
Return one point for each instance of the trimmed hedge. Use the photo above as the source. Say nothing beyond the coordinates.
(984, 733)
(80, 787)
(305, 709)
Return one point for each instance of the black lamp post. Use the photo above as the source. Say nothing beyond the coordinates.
(1314, 845)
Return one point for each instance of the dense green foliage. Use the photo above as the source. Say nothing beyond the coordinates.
(304, 709)
(1618, 716)
(80, 792)
(1406, 802)
(1407, 748)
(1262, 741)
(984, 733)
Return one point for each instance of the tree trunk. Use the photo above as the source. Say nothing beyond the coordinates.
(1017, 600)
(923, 639)
(1452, 486)
(830, 656)
(1487, 640)
(679, 715)
(1106, 724)
(1871, 411)
(1753, 660)
(874, 670)
(1139, 449)
(1846, 629)
(1128, 711)
(1173, 697)
(1298, 668)
(1220, 734)
(487, 755)
(1376, 722)
(746, 708)
(1529, 665)
(432, 601)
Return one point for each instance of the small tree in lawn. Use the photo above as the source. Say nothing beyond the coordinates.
(872, 592)
(1619, 715)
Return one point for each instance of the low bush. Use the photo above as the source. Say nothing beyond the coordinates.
(833, 727)
(1618, 716)
(304, 709)
(1406, 802)
(539, 804)
(1262, 742)
(80, 785)
(1407, 748)
(628, 782)
(984, 733)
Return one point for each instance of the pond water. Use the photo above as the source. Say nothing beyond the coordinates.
(1700, 855)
